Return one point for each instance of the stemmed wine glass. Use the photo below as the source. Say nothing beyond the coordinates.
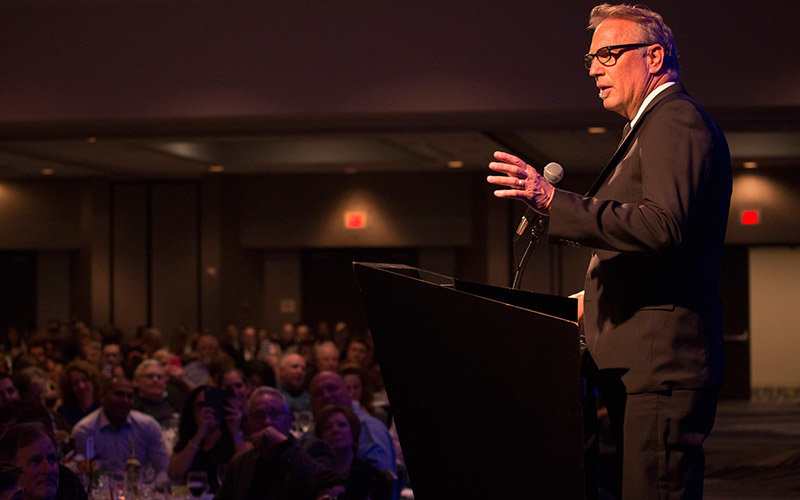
(197, 483)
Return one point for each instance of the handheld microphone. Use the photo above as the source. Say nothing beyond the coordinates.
(553, 173)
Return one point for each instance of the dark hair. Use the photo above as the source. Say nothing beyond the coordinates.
(93, 374)
(325, 413)
(260, 368)
(24, 412)
(187, 426)
(20, 436)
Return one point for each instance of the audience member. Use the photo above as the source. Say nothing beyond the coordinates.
(80, 391)
(269, 351)
(360, 389)
(287, 337)
(340, 428)
(356, 351)
(236, 391)
(149, 341)
(197, 371)
(375, 444)
(204, 441)
(326, 357)
(133, 356)
(31, 448)
(278, 466)
(306, 350)
(340, 334)
(115, 427)
(112, 360)
(291, 376)
(302, 333)
(258, 373)
(152, 396)
(92, 353)
(8, 391)
(249, 344)
(231, 343)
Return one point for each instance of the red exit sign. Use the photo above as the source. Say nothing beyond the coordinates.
(355, 220)
(750, 217)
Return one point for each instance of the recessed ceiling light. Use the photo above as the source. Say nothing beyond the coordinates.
(597, 130)
(91, 140)
(216, 169)
(350, 170)
(750, 164)
(455, 163)
(48, 171)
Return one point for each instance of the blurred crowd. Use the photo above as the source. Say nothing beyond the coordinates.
(89, 412)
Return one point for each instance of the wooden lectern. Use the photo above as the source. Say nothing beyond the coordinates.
(484, 384)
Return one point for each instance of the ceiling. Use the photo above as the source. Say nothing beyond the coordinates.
(167, 89)
(132, 157)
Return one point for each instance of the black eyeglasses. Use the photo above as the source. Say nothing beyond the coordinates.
(608, 58)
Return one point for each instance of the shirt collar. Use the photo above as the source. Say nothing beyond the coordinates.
(103, 421)
(647, 100)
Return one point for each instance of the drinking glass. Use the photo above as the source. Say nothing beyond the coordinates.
(197, 483)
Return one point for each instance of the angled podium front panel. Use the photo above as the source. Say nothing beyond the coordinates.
(483, 385)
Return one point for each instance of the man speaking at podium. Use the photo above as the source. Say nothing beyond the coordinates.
(656, 218)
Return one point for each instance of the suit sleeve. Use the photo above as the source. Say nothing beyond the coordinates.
(647, 204)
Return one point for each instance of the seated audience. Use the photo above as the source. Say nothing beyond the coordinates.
(30, 447)
(291, 375)
(209, 434)
(80, 391)
(278, 467)
(375, 444)
(152, 396)
(340, 428)
(115, 426)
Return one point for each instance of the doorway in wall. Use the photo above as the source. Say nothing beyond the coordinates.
(330, 291)
(734, 290)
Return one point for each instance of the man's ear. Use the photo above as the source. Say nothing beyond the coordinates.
(655, 58)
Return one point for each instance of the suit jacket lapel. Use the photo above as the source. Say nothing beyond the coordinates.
(628, 138)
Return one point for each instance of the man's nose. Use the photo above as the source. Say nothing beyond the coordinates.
(595, 69)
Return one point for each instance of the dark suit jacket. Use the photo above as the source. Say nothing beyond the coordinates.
(295, 471)
(657, 222)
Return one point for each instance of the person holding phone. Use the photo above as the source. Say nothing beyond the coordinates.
(209, 434)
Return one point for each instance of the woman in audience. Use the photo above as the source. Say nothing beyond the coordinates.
(339, 427)
(209, 434)
(80, 391)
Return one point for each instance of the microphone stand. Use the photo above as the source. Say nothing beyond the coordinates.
(538, 224)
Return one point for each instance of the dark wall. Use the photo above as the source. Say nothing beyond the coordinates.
(113, 59)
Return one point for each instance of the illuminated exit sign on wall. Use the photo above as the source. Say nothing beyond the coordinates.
(750, 217)
(355, 220)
